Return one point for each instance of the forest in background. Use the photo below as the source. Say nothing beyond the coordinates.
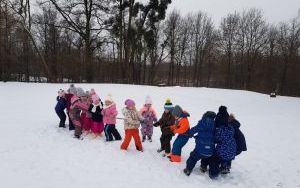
(125, 41)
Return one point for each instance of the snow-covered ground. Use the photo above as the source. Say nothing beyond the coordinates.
(34, 153)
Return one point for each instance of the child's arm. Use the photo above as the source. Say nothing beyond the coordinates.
(182, 127)
(82, 106)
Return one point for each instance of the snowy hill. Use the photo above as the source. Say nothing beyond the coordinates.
(34, 153)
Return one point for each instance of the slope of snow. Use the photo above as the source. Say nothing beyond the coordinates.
(34, 153)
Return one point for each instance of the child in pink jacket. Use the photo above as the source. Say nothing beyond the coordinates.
(87, 116)
(109, 119)
(78, 105)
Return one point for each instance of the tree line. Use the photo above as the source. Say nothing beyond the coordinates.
(125, 41)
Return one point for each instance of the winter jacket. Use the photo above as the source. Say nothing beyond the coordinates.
(148, 115)
(132, 119)
(110, 114)
(68, 97)
(165, 123)
(75, 109)
(61, 104)
(226, 145)
(96, 112)
(204, 134)
(182, 125)
(239, 137)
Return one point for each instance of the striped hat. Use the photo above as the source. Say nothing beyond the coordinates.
(168, 105)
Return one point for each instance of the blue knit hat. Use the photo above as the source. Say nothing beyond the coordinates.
(168, 105)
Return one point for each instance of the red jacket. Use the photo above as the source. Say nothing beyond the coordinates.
(68, 97)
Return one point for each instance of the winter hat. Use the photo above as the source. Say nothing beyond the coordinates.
(168, 105)
(95, 97)
(61, 92)
(80, 92)
(148, 100)
(129, 103)
(72, 89)
(222, 117)
(109, 98)
(92, 92)
(209, 114)
(177, 111)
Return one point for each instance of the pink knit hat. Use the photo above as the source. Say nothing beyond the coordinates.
(129, 103)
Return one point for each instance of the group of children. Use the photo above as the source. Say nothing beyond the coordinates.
(217, 136)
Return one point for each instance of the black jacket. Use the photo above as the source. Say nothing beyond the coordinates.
(165, 122)
(96, 116)
(239, 137)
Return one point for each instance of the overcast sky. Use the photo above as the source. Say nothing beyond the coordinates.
(275, 11)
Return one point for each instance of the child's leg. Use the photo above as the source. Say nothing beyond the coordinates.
(137, 139)
(149, 131)
(162, 142)
(62, 118)
(144, 130)
(71, 125)
(214, 163)
(204, 163)
(87, 123)
(78, 131)
(192, 160)
(167, 143)
(100, 127)
(178, 144)
(115, 133)
(127, 139)
(108, 133)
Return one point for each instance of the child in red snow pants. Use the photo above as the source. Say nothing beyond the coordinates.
(129, 133)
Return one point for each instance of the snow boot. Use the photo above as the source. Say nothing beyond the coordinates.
(225, 171)
(150, 139)
(144, 138)
(187, 172)
(159, 150)
(203, 169)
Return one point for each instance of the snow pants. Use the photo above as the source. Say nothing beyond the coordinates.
(132, 133)
(97, 127)
(178, 144)
(165, 142)
(62, 116)
(111, 132)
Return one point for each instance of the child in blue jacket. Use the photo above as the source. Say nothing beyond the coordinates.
(204, 134)
(60, 107)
